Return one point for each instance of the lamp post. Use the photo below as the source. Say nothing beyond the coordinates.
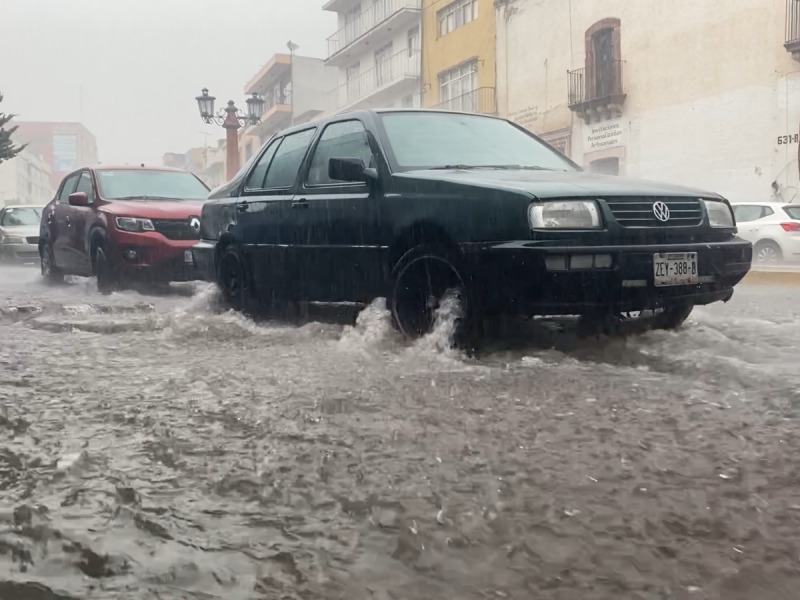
(231, 119)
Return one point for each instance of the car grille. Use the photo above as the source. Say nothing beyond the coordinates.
(638, 212)
(33, 240)
(176, 229)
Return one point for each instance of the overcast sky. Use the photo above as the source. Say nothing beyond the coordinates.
(130, 69)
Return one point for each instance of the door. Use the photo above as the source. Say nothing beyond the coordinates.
(60, 225)
(383, 66)
(340, 253)
(605, 72)
(605, 166)
(80, 217)
(263, 219)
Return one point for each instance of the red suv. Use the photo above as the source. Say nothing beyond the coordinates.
(123, 224)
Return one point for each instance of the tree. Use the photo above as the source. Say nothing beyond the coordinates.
(8, 149)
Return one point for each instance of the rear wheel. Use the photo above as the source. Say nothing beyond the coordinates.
(232, 279)
(421, 282)
(673, 316)
(107, 280)
(50, 272)
(767, 252)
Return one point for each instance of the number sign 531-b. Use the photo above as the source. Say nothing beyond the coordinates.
(788, 139)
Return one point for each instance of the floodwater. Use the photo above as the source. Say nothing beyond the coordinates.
(154, 447)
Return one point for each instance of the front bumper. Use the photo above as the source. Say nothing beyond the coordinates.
(204, 254)
(152, 257)
(19, 253)
(517, 278)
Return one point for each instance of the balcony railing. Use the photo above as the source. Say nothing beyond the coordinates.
(276, 97)
(483, 101)
(402, 65)
(595, 84)
(792, 26)
(379, 12)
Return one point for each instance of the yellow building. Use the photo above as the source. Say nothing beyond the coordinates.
(458, 55)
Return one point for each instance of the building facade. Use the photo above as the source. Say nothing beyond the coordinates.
(458, 55)
(25, 179)
(63, 146)
(377, 52)
(208, 162)
(690, 91)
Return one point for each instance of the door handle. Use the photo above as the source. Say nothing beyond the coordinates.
(242, 207)
(302, 203)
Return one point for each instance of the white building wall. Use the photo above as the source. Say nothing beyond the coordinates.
(25, 179)
(710, 88)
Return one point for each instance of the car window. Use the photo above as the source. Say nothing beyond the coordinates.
(20, 217)
(256, 179)
(282, 172)
(68, 188)
(85, 185)
(748, 212)
(792, 211)
(347, 139)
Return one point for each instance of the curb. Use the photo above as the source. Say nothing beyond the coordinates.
(769, 277)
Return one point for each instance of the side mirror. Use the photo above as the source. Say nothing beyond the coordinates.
(346, 169)
(79, 199)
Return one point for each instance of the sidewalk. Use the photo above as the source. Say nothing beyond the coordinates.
(774, 275)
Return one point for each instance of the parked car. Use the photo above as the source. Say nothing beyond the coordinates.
(19, 233)
(122, 224)
(409, 204)
(772, 227)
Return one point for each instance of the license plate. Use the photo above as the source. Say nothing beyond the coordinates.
(676, 268)
(187, 257)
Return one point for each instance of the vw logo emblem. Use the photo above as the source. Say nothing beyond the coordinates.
(194, 223)
(661, 211)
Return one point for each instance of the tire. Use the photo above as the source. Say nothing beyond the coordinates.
(50, 272)
(232, 279)
(420, 280)
(107, 280)
(767, 252)
(673, 317)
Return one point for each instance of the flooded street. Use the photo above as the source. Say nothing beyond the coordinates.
(153, 447)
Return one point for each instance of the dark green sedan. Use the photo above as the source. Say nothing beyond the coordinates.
(412, 204)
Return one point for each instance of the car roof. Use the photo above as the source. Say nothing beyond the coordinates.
(135, 168)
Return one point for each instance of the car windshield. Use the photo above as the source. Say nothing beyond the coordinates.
(792, 211)
(21, 217)
(135, 184)
(422, 140)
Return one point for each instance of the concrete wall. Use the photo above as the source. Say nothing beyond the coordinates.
(311, 82)
(473, 40)
(710, 88)
(25, 179)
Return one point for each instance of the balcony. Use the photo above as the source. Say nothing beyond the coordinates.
(792, 43)
(366, 31)
(597, 92)
(396, 76)
(482, 101)
(277, 113)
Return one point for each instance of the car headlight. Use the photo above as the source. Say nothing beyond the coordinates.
(132, 224)
(565, 214)
(719, 213)
(9, 239)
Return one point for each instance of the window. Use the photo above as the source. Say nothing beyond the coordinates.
(141, 184)
(793, 212)
(256, 179)
(422, 140)
(21, 217)
(456, 14)
(68, 188)
(603, 59)
(750, 212)
(413, 41)
(347, 139)
(282, 172)
(455, 84)
(352, 78)
(408, 101)
(85, 186)
(383, 65)
(352, 20)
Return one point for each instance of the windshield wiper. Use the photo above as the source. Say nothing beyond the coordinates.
(146, 198)
(500, 167)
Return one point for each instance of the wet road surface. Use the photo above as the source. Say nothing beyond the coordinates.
(153, 447)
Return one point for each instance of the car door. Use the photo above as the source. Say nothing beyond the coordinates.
(339, 254)
(263, 212)
(60, 225)
(751, 220)
(80, 218)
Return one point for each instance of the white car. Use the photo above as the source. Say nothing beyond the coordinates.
(772, 227)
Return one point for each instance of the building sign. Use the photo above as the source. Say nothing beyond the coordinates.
(603, 135)
(65, 153)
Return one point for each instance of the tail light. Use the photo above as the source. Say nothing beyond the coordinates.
(791, 226)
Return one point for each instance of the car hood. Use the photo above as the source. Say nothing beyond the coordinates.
(557, 184)
(20, 230)
(155, 209)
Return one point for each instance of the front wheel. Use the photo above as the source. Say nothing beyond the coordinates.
(50, 272)
(673, 317)
(427, 281)
(106, 279)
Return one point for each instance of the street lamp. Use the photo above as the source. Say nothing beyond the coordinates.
(232, 119)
